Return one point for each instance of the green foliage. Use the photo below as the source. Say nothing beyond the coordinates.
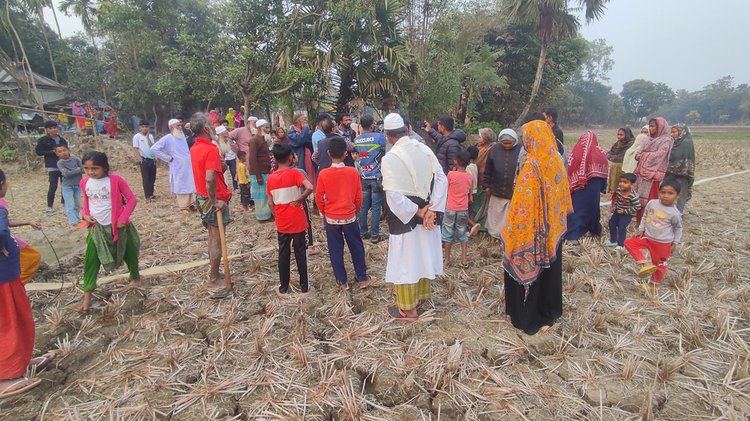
(720, 102)
(8, 154)
(642, 97)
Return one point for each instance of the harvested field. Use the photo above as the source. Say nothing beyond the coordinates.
(167, 351)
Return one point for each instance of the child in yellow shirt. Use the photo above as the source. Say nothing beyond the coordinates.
(244, 181)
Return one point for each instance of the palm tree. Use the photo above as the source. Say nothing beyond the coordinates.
(361, 42)
(85, 10)
(553, 22)
(37, 6)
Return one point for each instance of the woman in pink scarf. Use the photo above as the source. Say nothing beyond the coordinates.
(653, 160)
(588, 169)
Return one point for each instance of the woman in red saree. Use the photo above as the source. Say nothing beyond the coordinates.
(110, 122)
(80, 115)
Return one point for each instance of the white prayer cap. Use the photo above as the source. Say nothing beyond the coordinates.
(252, 118)
(261, 123)
(393, 121)
(172, 122)
(221, 129)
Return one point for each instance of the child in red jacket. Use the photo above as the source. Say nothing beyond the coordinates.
(112, 238)
(339, 198)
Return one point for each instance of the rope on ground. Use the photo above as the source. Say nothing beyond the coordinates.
(152, 271)
(697, 183)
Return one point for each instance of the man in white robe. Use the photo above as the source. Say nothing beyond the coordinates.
(173, 149)
(416, 190)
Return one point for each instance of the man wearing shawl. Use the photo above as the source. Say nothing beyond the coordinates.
(628, 160)
(537, 220)
(682, 163)
(587, 175)
(259, 168)
(499, 176)
(653, 160)
(300, 140)
(616, 155)
(416, 190)
(173, 149)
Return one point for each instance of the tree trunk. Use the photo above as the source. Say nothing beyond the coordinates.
(345, 92)
(463, 102)
(35, 97)
(57, 24)
(535, 86)
(40, 13)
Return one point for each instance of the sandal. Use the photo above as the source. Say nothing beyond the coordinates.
(41, 362)
(646, 271)
(396, 313)
(22, 385)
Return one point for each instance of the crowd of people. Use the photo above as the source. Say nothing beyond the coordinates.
(520, 187)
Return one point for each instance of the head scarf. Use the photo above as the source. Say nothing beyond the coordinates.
(484, 151)
(538, 212)
(616, 153)
(682, 157)
(628, 160)
(587, 161)
(653, 157)
(510, 133)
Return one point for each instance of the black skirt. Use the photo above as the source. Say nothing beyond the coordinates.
(544, 303)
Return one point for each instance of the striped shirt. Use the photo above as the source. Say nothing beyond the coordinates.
(283, 186)
(629, 204)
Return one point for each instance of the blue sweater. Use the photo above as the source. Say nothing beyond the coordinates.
(10, 265)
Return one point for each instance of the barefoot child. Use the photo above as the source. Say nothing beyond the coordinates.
(339, 198)
(625, 204)
(285, 201)
(243, 180)
(660, 230)
(72, 170)
(111, 239)
(456, 216)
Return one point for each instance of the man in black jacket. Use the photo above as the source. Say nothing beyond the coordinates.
(45, 147)
(447, 141)
(550, 116)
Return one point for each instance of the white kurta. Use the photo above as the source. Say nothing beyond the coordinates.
(417, 254)
(176, 153)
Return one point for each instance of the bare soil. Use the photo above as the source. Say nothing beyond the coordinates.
(168, 351)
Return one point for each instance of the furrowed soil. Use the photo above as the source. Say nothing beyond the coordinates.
(168, 351)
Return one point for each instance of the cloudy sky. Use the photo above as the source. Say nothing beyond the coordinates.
(686, 44)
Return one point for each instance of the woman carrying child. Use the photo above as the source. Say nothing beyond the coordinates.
(112, 238)
(616, 155)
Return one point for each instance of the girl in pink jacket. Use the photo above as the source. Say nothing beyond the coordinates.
(108, 203)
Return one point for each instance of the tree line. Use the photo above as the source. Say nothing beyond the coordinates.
(485, 63)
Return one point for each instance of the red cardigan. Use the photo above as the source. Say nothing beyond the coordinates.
(338, 193)
(120, 212)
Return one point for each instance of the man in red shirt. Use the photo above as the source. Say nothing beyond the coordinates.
(213, 195)
(285, 201)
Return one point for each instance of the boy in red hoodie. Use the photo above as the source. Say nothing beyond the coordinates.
(339, 198)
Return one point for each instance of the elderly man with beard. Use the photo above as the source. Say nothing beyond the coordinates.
(416, 190)
(213, 194)
(259, 168)
(173, 149)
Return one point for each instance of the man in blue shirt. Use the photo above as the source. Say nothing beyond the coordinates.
(371, 148)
